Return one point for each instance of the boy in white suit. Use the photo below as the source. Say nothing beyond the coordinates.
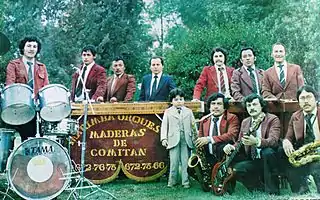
(176, 136)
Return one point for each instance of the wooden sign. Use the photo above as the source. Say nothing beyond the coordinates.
(130, 143)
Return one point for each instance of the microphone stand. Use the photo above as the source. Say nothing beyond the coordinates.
(81, 180)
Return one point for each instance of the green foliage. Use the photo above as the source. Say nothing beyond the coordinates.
(115, 27)
(235, 24)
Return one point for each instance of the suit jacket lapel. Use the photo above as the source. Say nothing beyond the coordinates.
(264, 124)
(289, 75)
(274, 76)
(161, 83)
(23, 69)
(298, 125)
(174, 112)
(260, 76)
(213, 75)
(206, 127)
(246, 78)
(148, 86)
(119, 83)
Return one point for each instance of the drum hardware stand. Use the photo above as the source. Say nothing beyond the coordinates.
(80, 178)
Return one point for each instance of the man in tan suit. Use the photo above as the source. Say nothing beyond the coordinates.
(303, 129)
(259, 134)
(282, 80)
(120, 86)
(248, 78)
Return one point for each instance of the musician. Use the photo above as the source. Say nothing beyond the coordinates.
(92, 75)
(247, 79)
(156, 86)
(28, 70)
(176, 136)
(303, 129)
(120, 86)
(219, 129)
(258, 171)
(216, 131)
(216, 78)
(282, 80)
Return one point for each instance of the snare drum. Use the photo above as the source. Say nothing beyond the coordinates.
(6, 143)
(67, 127)
(54, 102)
(17, 104)
(39, 169)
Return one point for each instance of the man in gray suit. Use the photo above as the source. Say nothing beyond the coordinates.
(248, 78)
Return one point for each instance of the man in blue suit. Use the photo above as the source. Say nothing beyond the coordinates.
(156, 86)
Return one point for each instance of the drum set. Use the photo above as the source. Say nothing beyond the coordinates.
(39, 168)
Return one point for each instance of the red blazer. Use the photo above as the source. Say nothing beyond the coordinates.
(124, 90)
(296, 126)
(270, 131)
(272, 88)
(241, 84)
(96, 82)
(229, 128)
(208, 79)
(17, 73)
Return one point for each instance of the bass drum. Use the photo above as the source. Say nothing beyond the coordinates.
(39, 169)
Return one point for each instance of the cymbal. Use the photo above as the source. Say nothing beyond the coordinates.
(4, 44)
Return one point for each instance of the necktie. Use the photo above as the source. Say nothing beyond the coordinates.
(309, 130)
(80, 85)
(30, 76)
(253, 149)
(154, 87)
(222, 85)
(282, 78)
(253, 80)
(179, 110)
(215, 127)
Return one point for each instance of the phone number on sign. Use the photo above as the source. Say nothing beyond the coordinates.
(99, 167)
(144, 166)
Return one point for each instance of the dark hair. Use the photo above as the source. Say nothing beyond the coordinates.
(90, 48)
(251, 97)
(175, 92)
(157, 57)
(29, 39)
(247, 48)
(118, 58)
(307, 88)
(219, 49)
(214, 97)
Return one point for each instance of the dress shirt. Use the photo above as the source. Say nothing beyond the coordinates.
(255, 76)
(152, 80)
(226, 80)
(285, 69)
(89, 67)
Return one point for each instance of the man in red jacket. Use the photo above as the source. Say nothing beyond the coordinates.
(27, 70)
(216, 78)
(91, 75)
(120, 86)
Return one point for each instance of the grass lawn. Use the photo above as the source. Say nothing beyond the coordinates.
(128, 189)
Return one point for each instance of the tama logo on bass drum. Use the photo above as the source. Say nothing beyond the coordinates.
(38, 150)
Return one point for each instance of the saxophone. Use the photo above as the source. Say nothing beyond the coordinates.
(197, 162)
(305, 154)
